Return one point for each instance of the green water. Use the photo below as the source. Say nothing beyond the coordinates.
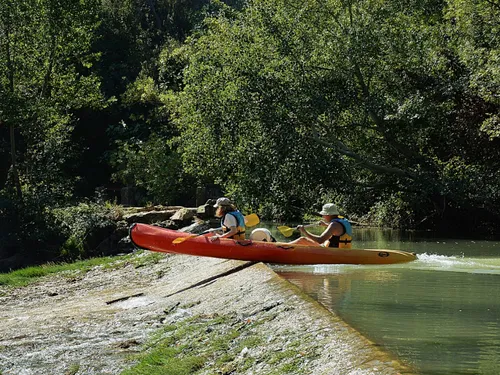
(439, 314)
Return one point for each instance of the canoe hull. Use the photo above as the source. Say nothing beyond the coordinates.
(160, 239)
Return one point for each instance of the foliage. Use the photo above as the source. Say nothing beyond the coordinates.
(28, 228)
(45, 49)
(156, 167)
(391, 212)
(392, 111)
(83, 226)
(475, 25)
(144, 157)
(287, 100)
(142, 151)
(240, 120)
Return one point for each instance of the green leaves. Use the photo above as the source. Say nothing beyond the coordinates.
(475, 25)
(286, 103)
(288, 99)
(46, 52)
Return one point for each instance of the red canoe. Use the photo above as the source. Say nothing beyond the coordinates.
(160, 239)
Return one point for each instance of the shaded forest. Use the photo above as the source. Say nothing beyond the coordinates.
(390, 110)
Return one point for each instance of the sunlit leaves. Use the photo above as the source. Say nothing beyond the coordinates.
(44, 78)
(476, 26)
(378, 83)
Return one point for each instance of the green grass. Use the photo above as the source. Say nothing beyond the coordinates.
(28, 275)
(190, 345)
(163, 361)
(73, 369)
(170, 352)
(210, 344)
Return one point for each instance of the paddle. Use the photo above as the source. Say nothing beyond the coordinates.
(287, 231)
(250, 221)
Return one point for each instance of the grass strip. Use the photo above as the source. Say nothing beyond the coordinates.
(28, 275)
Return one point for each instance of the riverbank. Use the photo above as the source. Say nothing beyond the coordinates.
(234, 317)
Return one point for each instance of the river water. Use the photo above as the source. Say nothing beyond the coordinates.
(439, 314)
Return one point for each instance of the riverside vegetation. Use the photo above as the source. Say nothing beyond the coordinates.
(389, 110)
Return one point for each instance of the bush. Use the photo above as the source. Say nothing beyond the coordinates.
(85, 226)
(27, 229)
(393, 212)
(9, 241)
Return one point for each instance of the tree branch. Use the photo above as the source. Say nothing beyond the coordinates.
(344, 150)
(46, 92)
(152, 7)
(380, 123)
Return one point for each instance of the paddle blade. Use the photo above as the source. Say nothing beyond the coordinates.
(251, 220)
(286, 231)
(182, 239)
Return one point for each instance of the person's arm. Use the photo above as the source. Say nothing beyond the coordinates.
(231, 223)
(232, 231)
(333, 229)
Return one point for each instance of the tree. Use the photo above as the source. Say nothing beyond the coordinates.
(143, 63)
(475, 25)
(45, 48)
(354, 100)
(45, 78)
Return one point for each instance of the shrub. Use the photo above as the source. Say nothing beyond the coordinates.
(85, 226)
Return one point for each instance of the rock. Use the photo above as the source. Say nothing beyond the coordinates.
(206, 210)
(244, 352)
(127, 344)
(196, 228)
(122, 229)
(125, 246)
(184, 215)
(78, 326)
(149, 217)
(101, 240)
(169, 224)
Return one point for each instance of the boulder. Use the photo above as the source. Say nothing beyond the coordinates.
(149, 217)
(184, 215)
(169, 224)
(206, 210)
(196, 228)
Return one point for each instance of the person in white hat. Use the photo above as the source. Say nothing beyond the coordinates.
(337, 234)
(232, 220)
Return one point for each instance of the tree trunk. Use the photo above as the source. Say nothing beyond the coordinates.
(46, 90)
(152, 7)
(10, 69)
(15, 173)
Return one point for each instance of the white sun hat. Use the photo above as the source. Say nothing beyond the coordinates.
(329, 209)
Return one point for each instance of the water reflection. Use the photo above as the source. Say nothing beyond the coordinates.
(440, 314)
